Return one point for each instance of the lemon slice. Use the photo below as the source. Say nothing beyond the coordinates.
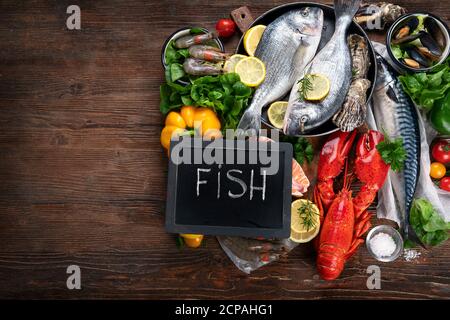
(276, 113)
(318, 88)
(230, 64)
(252, 38)
(251, 70)
(301, 230)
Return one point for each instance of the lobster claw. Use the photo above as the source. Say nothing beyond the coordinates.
(369, 166)
(333, 154)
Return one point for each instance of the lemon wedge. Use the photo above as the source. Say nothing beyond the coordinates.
(251, 70)
(230, 64)
(276, 113)
(252, 38)
(318, 87)
(305, 221)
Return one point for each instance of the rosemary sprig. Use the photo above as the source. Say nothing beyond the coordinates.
(305, 85)
(307, 212)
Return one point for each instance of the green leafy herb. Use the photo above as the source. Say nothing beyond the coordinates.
(307, 212)
(392, 152)
(196, 31)
(427, 223)
(226, 94)
(303, 149)
(426, 89)
(174, 59)
(305, 85)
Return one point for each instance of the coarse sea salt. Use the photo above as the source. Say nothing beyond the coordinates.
(382, 245)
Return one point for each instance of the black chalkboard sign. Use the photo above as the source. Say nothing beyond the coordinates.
(243, 197)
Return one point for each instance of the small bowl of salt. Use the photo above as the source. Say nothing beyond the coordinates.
(384, 243)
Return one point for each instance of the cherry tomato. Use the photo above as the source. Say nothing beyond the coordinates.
(437, 170)
(445, 184)
(441, 151)
(225, 28)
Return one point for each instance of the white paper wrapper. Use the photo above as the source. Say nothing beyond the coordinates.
(440, 199)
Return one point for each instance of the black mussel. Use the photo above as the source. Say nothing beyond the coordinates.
(427, 53)
(417, 56)
(435, 31)
(408, 28)
(406, 39)
(428, 42)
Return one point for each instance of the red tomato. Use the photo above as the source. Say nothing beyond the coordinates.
(444, 184)
(225, 28)
(441, 151)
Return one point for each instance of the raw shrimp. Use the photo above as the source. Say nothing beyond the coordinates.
(197, 67)
(207, 53)
(187, 41)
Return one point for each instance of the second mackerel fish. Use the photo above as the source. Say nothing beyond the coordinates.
(334, 62)
(288, 44)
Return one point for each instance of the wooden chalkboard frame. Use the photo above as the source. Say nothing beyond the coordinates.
(277, 233)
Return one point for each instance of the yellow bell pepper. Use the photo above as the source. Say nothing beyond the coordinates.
(203, 120)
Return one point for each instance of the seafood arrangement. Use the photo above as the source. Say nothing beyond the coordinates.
(304, 83)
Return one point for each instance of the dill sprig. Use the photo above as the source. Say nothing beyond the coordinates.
(307, 212)
(305, 85)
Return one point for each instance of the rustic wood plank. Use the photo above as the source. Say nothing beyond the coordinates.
(83, 176)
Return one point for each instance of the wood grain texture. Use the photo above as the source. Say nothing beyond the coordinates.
(83, 176)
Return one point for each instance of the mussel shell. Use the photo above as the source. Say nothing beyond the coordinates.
(435, 31)
(417, 56)
(413, 23)
(406, 39)
(427, 53)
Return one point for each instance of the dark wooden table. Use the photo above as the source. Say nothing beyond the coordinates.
(83, 176)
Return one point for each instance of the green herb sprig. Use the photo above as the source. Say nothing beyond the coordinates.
(305, 85)
(307, 212)
(392, 152)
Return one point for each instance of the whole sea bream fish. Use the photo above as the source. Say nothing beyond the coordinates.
(288, 44)
(396, 114)
(333, 62)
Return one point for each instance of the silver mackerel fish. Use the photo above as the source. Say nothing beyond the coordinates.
(334, 62)
(288, 44)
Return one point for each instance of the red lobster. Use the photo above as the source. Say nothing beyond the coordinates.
(347, 218)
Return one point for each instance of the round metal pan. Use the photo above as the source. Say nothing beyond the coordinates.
(328, 30)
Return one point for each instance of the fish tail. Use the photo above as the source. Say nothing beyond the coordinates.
(346, 8)
(251, 120)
